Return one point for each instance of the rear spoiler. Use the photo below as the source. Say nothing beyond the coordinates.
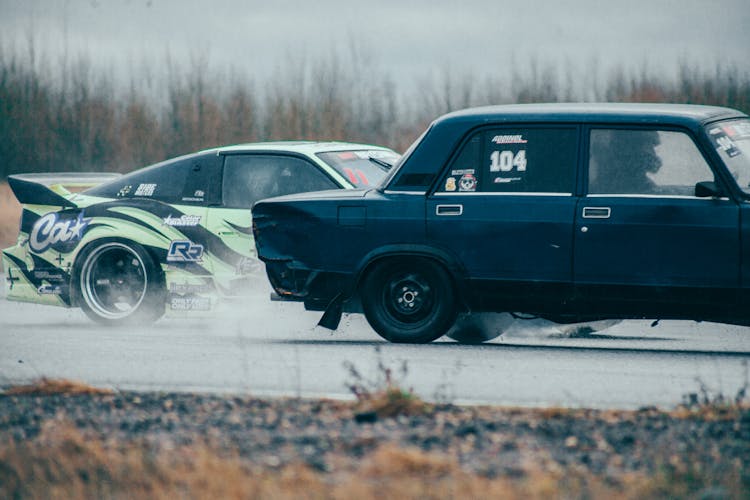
(52, 188)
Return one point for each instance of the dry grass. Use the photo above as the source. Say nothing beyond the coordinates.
(63, 463)
(48, 387)
(10, 216)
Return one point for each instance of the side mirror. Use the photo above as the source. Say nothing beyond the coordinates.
(708, 189)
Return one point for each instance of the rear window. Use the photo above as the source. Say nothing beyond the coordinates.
(185, 180)
(361, 168)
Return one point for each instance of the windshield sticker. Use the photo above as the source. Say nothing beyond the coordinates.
(182, 221)
(347, 156)
(450, 184)
(467, 183)
(725, 144)
(145, 190)
(509, 139)
(737, 130)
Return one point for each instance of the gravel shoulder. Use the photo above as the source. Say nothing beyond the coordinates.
(333, 437)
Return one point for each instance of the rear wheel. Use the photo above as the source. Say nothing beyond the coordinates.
(119, 283)
(409, 300)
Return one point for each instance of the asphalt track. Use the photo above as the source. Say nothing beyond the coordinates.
(274, 349)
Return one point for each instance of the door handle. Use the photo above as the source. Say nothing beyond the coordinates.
(596, 212)
(449, 210)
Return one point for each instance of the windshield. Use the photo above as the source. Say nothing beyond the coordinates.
(362, 168)
(732, 141)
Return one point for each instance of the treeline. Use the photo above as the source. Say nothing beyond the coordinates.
(70, 115)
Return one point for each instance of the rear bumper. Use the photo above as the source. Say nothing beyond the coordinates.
(39, 286)
(292, 281)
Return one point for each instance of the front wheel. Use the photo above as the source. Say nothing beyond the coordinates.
(119, 283)
(409, 300)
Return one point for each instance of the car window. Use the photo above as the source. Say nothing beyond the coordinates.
(185, 180)
(732, 141)
(250, 178)
(515, 160)
(362, 168)
(648, 162)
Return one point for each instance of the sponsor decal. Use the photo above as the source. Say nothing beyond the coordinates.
(182, 221)
(503, 180)
(50, 229)
(509, 139)
(184, 251)
(190, 303)
(347, 156)
(49, 290)
(145, 190)
(727, 145)
(450, 184)
(463, 171)
(185, 288)
(199, 194)
(467, 183)
(124, 191)
(46, 275)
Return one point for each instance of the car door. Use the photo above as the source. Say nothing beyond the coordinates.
(504, 209)
(642, 237)
(248, 178)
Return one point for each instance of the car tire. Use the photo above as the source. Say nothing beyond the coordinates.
(119, 283)
(409, 300)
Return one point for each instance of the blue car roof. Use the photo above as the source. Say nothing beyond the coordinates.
(593, 112)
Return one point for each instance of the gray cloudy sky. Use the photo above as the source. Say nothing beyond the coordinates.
(408, 38)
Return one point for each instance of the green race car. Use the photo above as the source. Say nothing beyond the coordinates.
(172, 237)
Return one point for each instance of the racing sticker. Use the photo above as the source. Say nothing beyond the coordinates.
(145, 190)
(184, 251)
(450, 184)
(190, 303)
(182, 221)
(198, 195)
(48, 289)
(124, 191)
(188, 288)
(505, 180)
(507, 160)
(509, 139)
(723, 142)
(46, 275)
(56, 231)
(463, 171)
(467, 183)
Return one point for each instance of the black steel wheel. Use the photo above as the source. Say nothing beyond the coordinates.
(409, 300)
(118, 282)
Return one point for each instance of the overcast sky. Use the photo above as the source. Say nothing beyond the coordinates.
(405, 38)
